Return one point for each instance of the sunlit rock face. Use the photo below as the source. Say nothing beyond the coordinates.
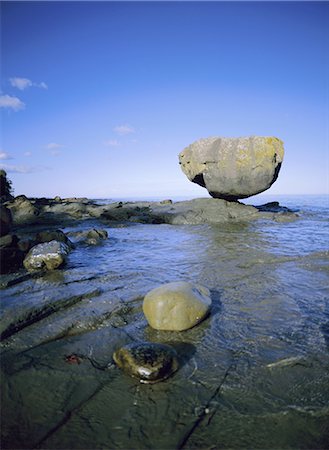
(233, 168)
(49, 256)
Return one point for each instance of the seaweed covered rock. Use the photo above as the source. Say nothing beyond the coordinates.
(176, 306)
(149, 362)
(49, 255)
(233, 168)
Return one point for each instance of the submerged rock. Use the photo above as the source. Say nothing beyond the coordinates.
(89, 237)
(233, 168)
(147, 361)
(176, 306)
(49, 255)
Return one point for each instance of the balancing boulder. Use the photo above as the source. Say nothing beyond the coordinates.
(233, 168)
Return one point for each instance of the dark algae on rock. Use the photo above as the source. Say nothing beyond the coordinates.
(148, 362)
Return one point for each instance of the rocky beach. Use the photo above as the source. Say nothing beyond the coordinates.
(191, 324)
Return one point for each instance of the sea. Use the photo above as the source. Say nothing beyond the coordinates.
(254, 374)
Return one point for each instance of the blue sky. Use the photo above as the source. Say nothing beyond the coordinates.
(98, 98)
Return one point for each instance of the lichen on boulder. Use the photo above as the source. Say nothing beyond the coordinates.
(48, 255)
(233, 168)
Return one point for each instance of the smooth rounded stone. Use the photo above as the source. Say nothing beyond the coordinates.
(176, 306)
(49, 255)
(147, 361)
(233, 168)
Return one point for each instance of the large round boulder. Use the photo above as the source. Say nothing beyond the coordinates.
(176, 306)
(233, 168)
(49, 255)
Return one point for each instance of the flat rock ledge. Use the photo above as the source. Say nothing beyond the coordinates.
(197, 211)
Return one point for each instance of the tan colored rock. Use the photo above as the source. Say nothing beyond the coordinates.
(49, 255)
(176, 306)
(233, 168)
(23, 211)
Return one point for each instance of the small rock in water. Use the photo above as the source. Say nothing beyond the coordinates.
(89, 237)
(176, 306)
(48, 255)
(147, 361)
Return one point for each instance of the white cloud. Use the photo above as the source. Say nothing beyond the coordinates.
(124, 129)
(55, 152)
(24, 83)
(5, 155)
(112, 143)
(23, 169)
(20, 83)
(42, 85)
(28, 154)
(7, 101)
(53, 146)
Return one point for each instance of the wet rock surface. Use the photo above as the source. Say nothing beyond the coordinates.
(176, 306)
(233, 168)
(148, 362)
(257, 365)
(89, 237)
(49, 255)
(53, 235)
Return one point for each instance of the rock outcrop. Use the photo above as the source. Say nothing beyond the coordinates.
(176, 306)
(233, 168)
(23, 211)
(53, 235)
